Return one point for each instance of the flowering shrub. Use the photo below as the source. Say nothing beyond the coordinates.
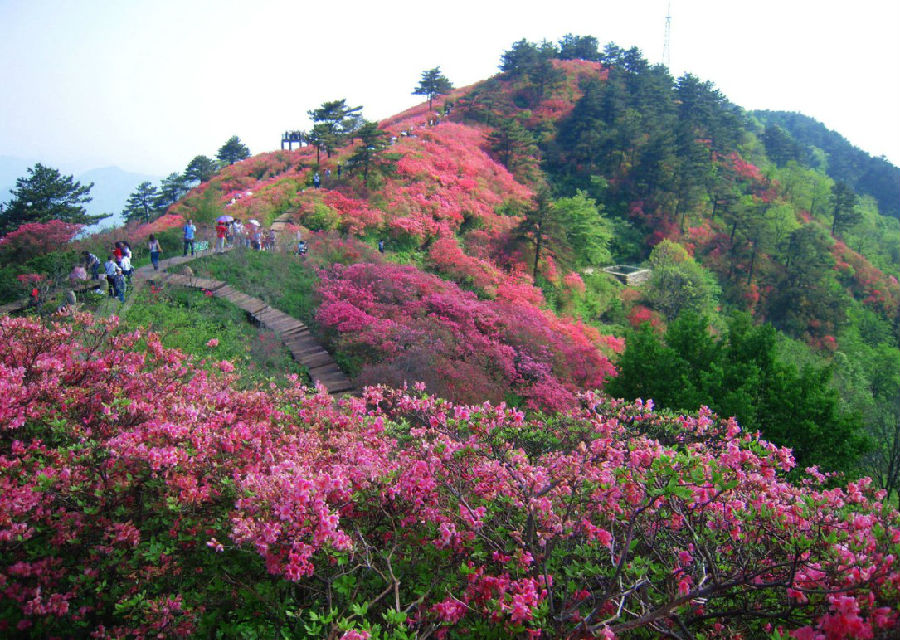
(398, 324)
(142, 497)
(36, 238)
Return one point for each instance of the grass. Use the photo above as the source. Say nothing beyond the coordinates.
(188, 319)
(283, 281)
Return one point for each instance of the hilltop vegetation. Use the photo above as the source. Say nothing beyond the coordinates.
(460, 245)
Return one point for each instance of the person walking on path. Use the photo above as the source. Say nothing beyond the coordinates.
(316, 180)
(189, 231)
(221, 232)
(110, 267)
(155, 250)
(125, 266)
(119, 285)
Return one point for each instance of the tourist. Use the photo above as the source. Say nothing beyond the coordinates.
(221, 232)
(119, 285)
(155, 250)
(316, 180)
(110, 268)
(92, 264)
(189, 231)
(125, 266)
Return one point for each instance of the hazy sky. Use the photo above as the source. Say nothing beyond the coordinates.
(149, 84)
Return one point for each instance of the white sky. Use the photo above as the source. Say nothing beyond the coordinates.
(148, 84)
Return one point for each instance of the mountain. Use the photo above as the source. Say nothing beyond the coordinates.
(112, 186)
(875, 177)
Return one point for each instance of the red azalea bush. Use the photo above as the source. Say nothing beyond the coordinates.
(36, 238)
(399, 324)
(142, 497)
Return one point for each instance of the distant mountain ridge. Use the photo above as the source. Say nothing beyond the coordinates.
(875, 177)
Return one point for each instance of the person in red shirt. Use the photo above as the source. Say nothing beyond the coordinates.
(221, 232)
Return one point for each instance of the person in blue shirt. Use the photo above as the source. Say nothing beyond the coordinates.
(189, 231)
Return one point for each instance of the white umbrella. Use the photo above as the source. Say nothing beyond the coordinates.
(224, 219)
(255, 223)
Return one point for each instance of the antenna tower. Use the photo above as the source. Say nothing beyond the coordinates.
(665, 55)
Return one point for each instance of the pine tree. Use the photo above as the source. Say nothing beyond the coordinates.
(141, 203)
(233, 151)
(433, 83)
(334, 122)
(45, 194)
(843, 207)
(369, 154)
(200, 169)
(171, 189)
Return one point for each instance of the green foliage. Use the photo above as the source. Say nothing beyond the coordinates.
(141, 204)
(587, 231)
(833, 154)
(333, 123)
(739, 374)
(370, 154)
(433, 83)
(208, 206)
(171, 189)
(284, 282)
(45, 194)
(678, 284)
(322, 218)
(572, 47)
(200, 169)
(233, 151)
(187, 320)
(843, 207)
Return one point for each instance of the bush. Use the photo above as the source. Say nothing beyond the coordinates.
(143, 497)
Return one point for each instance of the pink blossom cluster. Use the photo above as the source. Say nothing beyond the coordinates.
(34, 238)
(405, 325)
(141, 496)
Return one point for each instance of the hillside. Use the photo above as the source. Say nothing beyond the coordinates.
(806, 141)
(483, 484)
(499, 205)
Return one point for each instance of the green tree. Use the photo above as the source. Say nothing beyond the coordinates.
(573, 47)
(336, 121)
(45, 194)
(233, 151)
(780, 146)
(740, 374)
(201, 169)
(587, 232)
(141, 203)
(540, 227)
(843, 207)
(678, 284)
(370, 152)
(805, 295)
(514, 144)
(433, 83)
(171, 189)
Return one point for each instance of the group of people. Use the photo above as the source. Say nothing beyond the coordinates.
(235, 233)
(116, 269)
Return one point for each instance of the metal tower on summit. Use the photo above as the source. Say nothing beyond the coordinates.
(665, 55)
